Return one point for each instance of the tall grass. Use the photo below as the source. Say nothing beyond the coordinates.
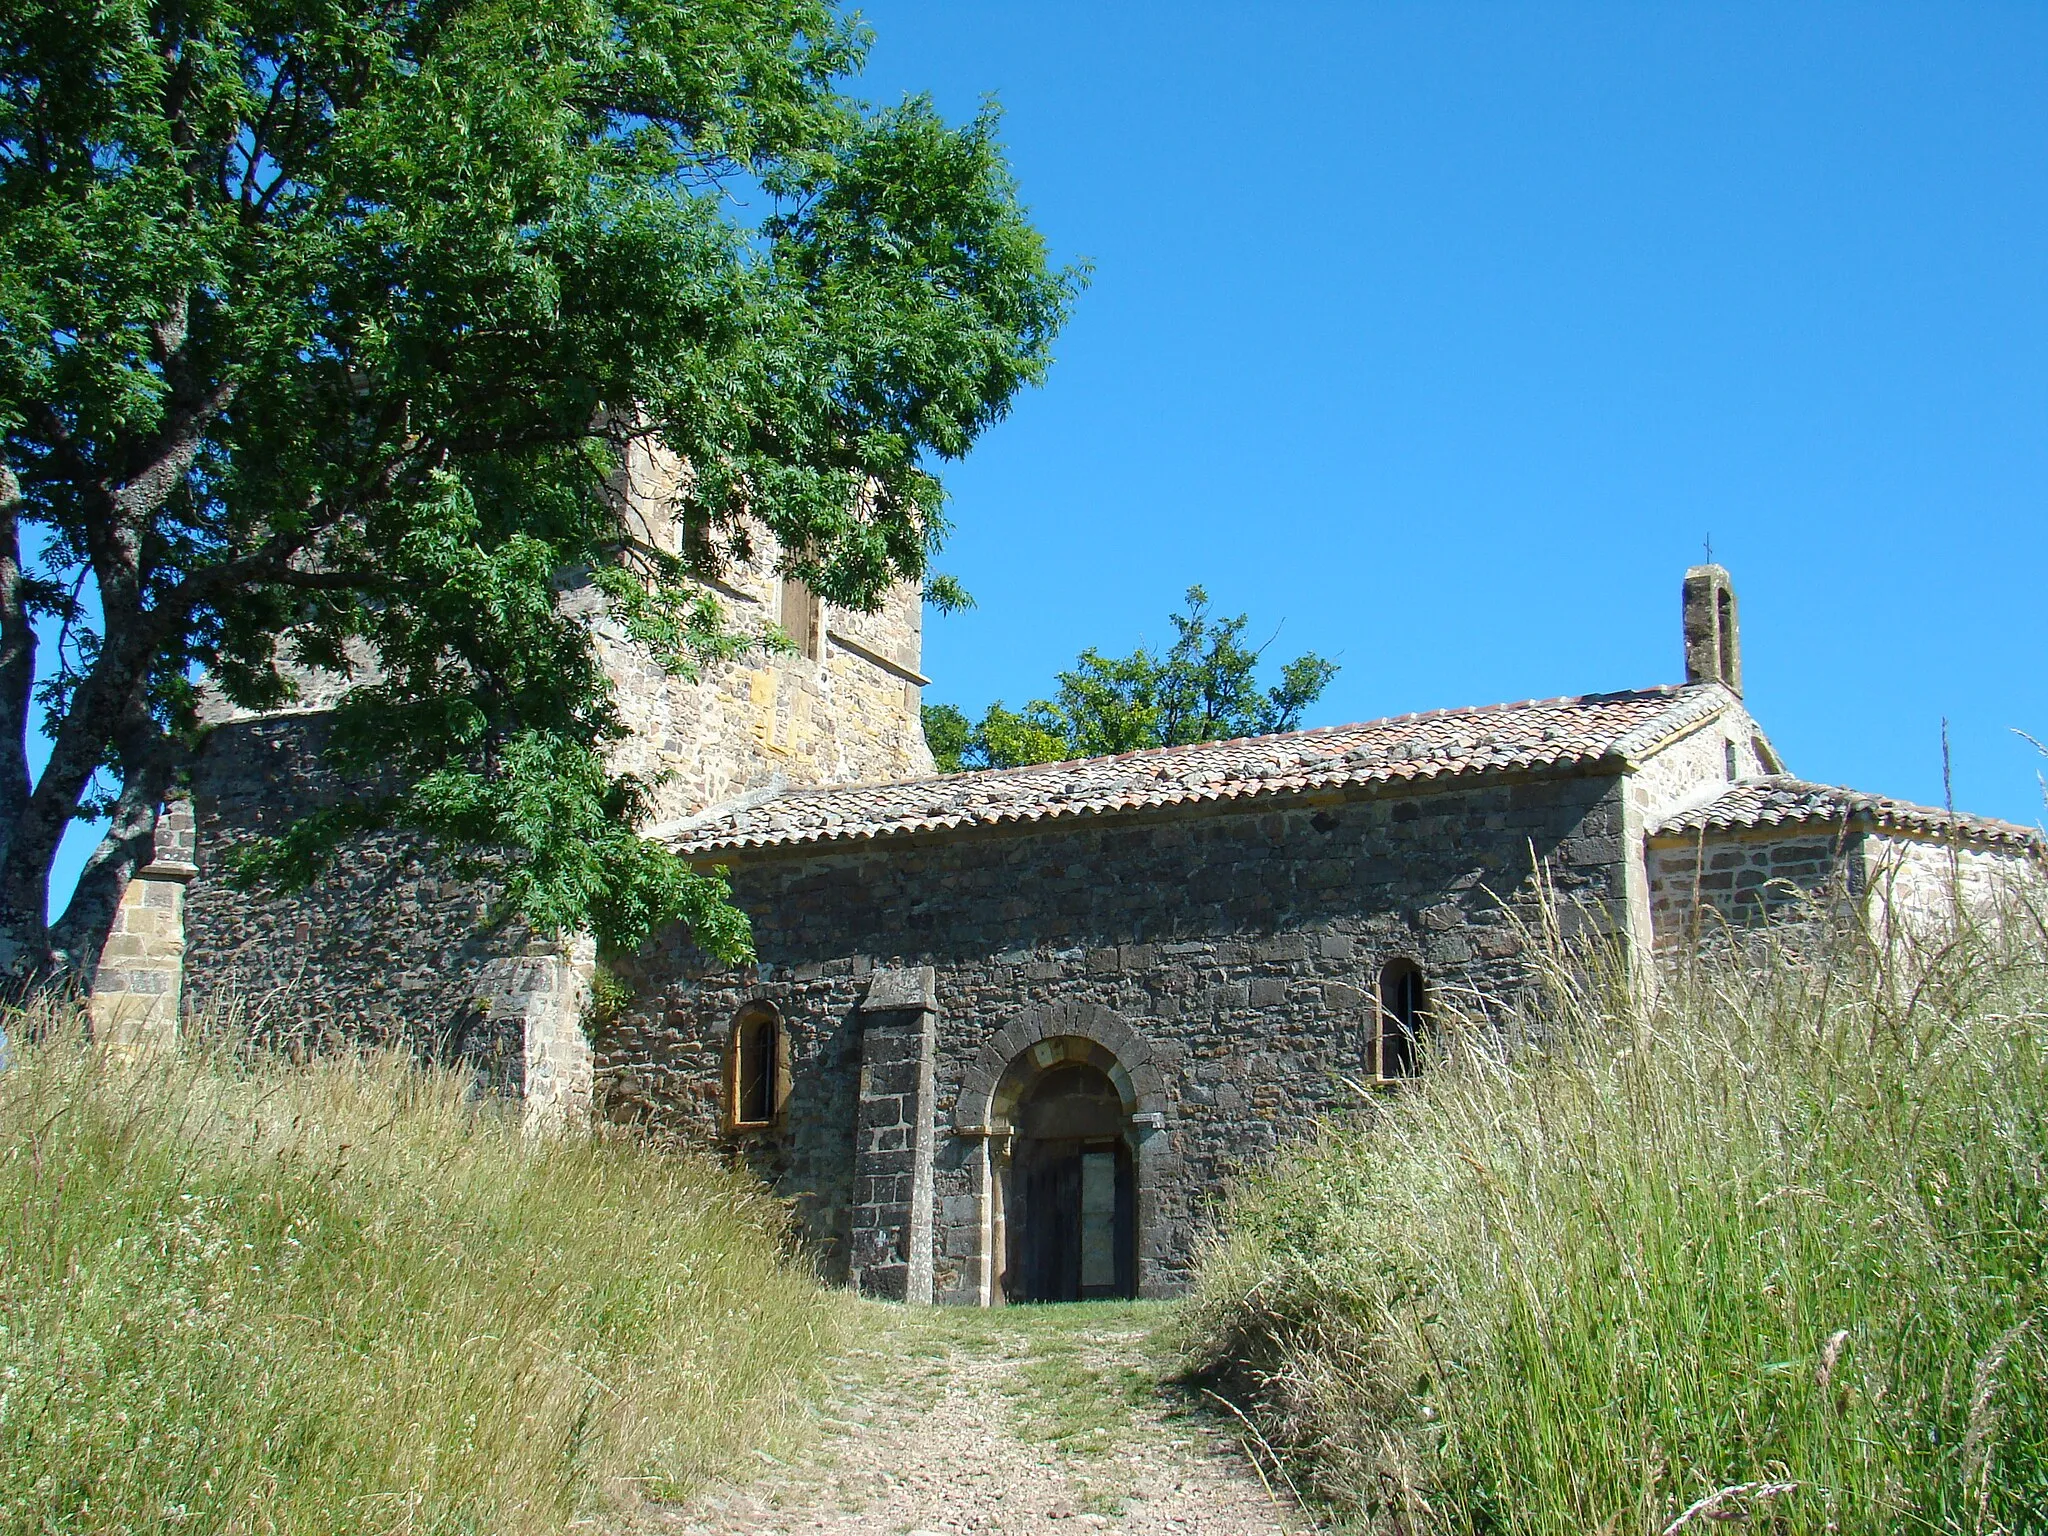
(251, 1296)
(1770, 1248)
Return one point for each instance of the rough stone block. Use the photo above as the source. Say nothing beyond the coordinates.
(910, 988)
(892, 1079)
(959, 1210)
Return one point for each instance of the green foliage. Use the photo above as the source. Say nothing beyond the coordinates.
(949, 733)
(326, 329)
(946, 594)
(1204, 687)
(341, 1298)
(1785, 1228)
(1004, 739)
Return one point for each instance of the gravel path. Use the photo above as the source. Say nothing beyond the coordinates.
(1043, 1421)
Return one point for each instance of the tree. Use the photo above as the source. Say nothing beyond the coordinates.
(1204, 688)
(324, 326)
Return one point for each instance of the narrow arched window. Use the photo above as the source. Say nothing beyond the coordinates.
(757, 1068)
(1404, 1014)
(1724, 636)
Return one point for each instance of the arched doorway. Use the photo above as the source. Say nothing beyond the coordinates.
(1024, 1061)
(1071, 1217)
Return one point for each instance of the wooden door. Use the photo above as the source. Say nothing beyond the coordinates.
(1073, 1223)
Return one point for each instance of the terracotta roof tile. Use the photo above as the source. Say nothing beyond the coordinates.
(1779, 800)
(1542, 734)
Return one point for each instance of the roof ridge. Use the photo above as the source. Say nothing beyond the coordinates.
(1412, 717)
(1684, 716)
(1566, 734)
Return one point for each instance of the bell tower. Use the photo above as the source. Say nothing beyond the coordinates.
(1713, 637)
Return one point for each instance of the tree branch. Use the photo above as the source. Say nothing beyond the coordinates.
(259, 135)
(162, 461)
(167, 336)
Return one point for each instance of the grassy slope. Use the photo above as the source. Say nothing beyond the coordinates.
(1786, 1229)
(338, 1298)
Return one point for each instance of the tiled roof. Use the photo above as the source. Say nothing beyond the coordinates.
(1543, 734)
(1781, 800)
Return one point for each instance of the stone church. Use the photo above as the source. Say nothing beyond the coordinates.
(1011, 1031)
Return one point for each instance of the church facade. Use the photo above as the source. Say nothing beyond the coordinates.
(1010, 1032)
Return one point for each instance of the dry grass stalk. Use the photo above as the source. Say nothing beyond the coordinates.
(1781, 1226)
(239, 1294)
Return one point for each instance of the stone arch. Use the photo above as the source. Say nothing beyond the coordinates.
(1137, 1076)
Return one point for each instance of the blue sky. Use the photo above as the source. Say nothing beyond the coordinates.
(1448, 334)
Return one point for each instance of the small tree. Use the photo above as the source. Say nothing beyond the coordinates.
(325, 326)
(1204, 688)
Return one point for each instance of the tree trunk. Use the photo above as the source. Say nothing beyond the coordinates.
(24, 937)
(129, 843)
(108, 711)
(17, 665)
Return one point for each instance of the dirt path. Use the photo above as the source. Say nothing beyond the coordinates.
(1019, 1422)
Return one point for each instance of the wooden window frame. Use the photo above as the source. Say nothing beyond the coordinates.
(756, 1016)
(808, 633)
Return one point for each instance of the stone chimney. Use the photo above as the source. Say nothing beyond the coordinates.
(1713, 638)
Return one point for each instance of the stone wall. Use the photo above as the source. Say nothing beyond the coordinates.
(893, 1136)
(1701, 763)
(390, 945)
(1745, 878)
(1242, 946)
(845, 709)
(541, 998)
(386, 947)
(845, 716)
(1919, 883)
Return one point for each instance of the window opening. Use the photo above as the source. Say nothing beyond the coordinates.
(756, 1068)
(1724, 636)
(1404, 1011)
(801, 617)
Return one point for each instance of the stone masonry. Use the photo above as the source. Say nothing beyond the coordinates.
(138, 990)
(1030, 1015)
(1241, 948)
(1209, 926)
(390, 947)
(891, 1248)
(1773, 842)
